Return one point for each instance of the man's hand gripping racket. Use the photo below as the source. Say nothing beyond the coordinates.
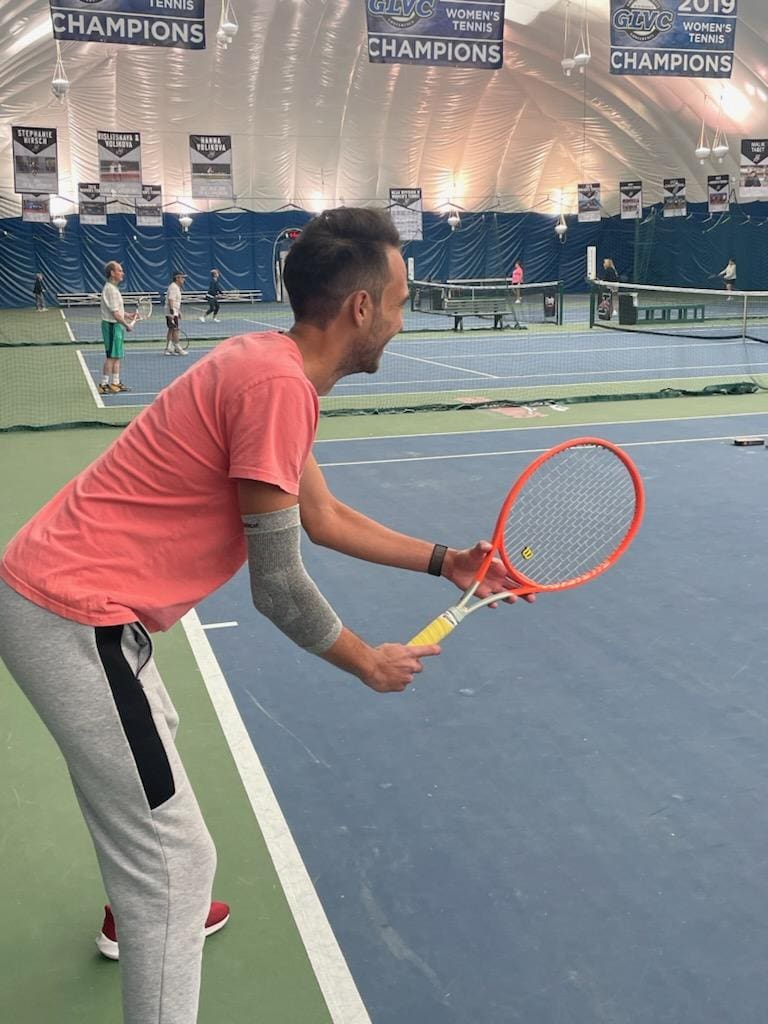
(570, 516)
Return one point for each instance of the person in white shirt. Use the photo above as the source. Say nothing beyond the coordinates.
(114, 323)
(728, 274)
(173, 315)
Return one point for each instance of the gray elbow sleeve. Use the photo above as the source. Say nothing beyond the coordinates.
(281, 588)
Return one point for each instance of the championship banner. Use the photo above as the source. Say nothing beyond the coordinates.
(675, 200)
(436, 32)
(179, 24)
(753, 177)
(91, 204)
(631, 200)
(36, 207)
(718, 193)
(405, 209)
(681, 38)
(35, 163)
(589, 202)
(149, 207)
(210, 158)
(120, 162)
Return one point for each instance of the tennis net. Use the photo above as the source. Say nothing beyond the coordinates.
(478, 304)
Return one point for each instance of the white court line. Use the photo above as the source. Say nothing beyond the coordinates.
(66, 324)
(514, 451)
(333, 975)
(90, 381)
(532, 425)
(219, 625)
(444, 366)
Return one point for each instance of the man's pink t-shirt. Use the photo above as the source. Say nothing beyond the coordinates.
(153, 525)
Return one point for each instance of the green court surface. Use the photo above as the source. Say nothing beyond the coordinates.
(257, 968)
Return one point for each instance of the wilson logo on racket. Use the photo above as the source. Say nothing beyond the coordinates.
(578, 507)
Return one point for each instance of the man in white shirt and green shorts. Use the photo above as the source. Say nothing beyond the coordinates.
(114, 324)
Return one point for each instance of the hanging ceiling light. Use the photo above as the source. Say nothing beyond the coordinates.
(59, 82)
(720, 148)
(228, 25)
(561, 227)
(583, 54)
(185, 222)
(454, 220)
(60, 222)
(567, 63)
(702, 151)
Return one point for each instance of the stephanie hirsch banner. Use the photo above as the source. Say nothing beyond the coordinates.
(437, 32)
(676, 38)
(175, 23)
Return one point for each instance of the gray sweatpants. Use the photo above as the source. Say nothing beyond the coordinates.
(100, 695)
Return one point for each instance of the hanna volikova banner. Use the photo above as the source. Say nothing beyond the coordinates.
(36, 208)
(92, 206)
(35, 163)
(120, 162)
(405, 209)
(718, 193)
(149, 207)
(178, 23)
(681, 38)
(436, 32)
(631, 200)
(210, 158)
(675, 201)
(589, 201)
(753, 176)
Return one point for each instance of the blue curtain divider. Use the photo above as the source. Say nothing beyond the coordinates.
(677, 251)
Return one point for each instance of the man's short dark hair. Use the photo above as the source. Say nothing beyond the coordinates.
(339, 252)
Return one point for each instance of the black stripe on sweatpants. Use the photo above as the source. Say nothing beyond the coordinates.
(136, 717)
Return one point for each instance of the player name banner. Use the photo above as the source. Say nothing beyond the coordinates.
(589, 201)
(675, 203)
(120, 162)
(149, 207)
(175, 23)
(35, 160)
(92, 206)
(631, 200)
(753, 177)
(681, 38)
(210, 158)
(436, 32)
(405, 209)
(36, 208)
(718, 193)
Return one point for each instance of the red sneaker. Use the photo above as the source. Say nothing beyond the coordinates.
(106, 940)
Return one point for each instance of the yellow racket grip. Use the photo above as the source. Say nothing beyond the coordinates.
(435, 631)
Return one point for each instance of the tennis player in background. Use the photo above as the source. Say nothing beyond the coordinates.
(516, 280)
(138, 538)
(38, 291)
(114, 323)
(728, 274)
(215, 289)
(173, 315)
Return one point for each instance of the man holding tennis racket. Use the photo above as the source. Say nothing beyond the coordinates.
(173, 315)
(114, 323)
(75, 622)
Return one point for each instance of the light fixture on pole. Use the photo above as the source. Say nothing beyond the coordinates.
(59, 82)
(702, 151)
(60, 222)
(583, 54)
(454, 220)
(567, 63)
(561, 228)
(185, 222)
(228, 25)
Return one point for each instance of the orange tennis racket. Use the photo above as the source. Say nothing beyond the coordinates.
(570, 516)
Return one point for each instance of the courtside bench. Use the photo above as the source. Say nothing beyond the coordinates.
(684, 311)
(495, 307)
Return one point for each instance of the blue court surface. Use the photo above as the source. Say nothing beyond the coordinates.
(564, 820)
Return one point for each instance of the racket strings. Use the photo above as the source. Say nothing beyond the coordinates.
(570, 516)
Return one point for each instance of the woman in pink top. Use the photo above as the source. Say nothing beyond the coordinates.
(138, 538)
(517, 279)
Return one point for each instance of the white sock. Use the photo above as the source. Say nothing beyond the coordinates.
(115, 378)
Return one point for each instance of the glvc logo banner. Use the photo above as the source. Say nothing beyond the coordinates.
(436, 32)
(682, 38)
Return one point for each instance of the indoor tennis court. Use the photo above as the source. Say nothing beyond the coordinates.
(562, 819)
